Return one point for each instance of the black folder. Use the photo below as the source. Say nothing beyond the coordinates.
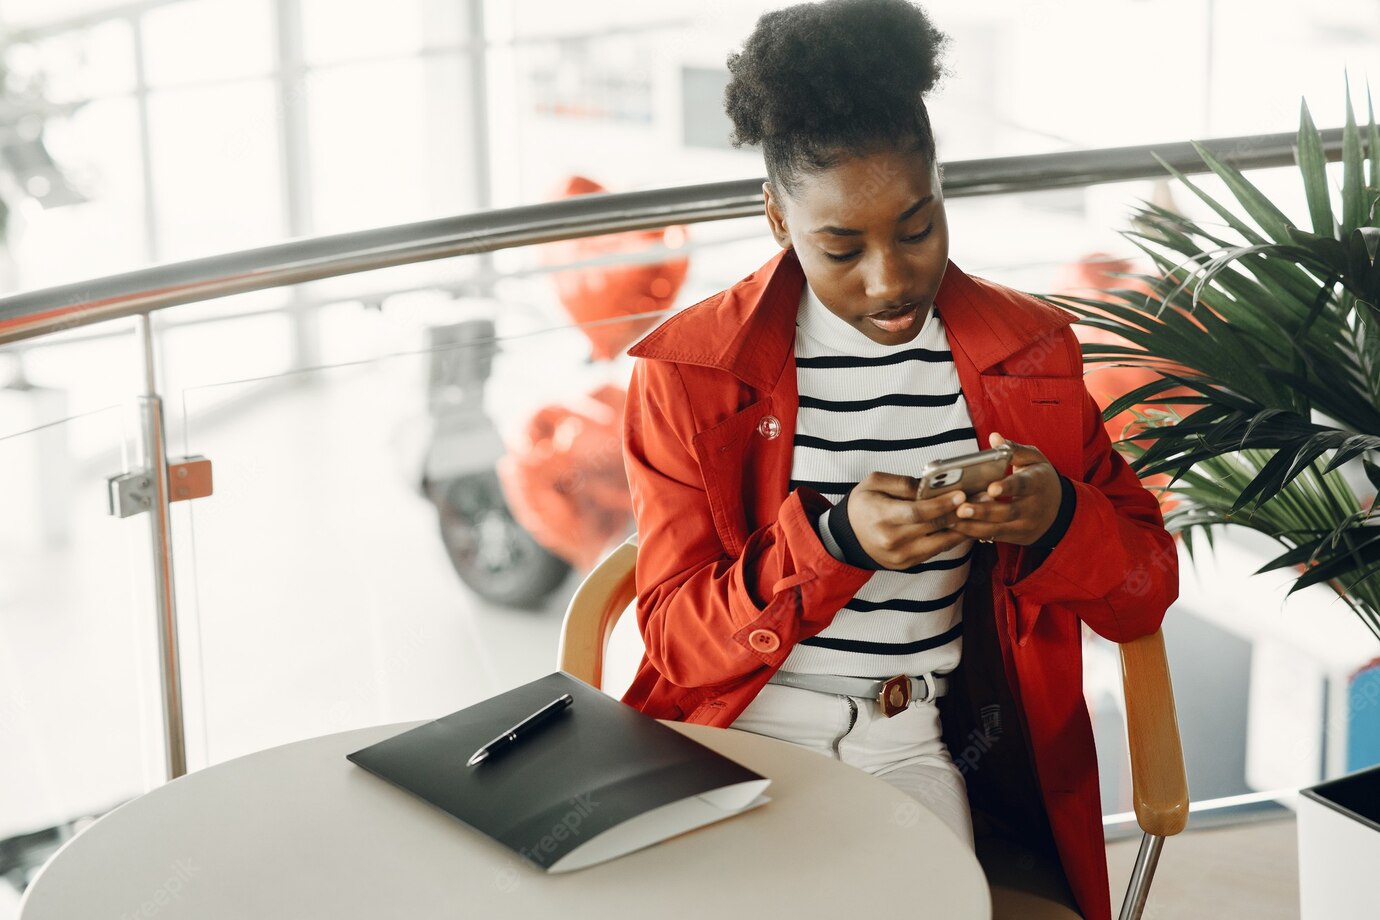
(599, 780)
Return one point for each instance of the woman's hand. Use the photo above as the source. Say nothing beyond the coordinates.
(1017, 509)
(895, 529)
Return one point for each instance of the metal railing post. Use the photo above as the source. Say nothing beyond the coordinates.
(155, 463)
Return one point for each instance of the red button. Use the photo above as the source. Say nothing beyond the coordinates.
(769, 427)
(764, 640)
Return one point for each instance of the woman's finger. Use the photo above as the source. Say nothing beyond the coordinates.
(1021, 454)
(920, 548)
(1017, 485)
(892, 485)
(989, 512)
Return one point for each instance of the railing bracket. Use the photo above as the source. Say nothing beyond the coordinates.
(133, 492)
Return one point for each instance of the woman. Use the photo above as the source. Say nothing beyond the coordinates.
(790, 581)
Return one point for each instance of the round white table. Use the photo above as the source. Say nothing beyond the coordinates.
(298, 832)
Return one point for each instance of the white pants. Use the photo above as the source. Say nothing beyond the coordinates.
(906, 750)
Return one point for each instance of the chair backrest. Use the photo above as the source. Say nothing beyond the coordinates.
(593, 612)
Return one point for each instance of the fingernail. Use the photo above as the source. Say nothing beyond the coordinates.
(965, 511)
(958, 498)
(994, 491)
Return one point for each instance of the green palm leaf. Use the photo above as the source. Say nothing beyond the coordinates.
(1315, 518)
(1273, 331)
(1313, 165)
(1353, 185)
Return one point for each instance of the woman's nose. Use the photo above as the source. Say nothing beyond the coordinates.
(887, 279)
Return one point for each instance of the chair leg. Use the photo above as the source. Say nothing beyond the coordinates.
(1141, 875)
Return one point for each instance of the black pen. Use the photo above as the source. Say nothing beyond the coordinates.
(523, 729)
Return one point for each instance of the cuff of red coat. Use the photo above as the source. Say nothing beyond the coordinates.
(825, 582)
(836, 533)
(824, 553)
(1068, 502)
(1065, 574)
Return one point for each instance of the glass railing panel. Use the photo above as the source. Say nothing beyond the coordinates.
(361, 560)
(269, 300)
(358, 562)
(79, 695)
(83, 371)
(255, 346)
(460, 275)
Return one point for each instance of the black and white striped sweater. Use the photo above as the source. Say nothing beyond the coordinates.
(865, 406)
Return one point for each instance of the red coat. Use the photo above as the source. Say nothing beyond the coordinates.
(731, 573)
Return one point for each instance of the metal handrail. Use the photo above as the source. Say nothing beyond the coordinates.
(134, 293)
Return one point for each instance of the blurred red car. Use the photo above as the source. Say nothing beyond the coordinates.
(564, 482)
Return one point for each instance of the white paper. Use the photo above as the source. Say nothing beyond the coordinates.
(667, 821)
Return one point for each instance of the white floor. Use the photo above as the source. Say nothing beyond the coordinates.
(1248, 870)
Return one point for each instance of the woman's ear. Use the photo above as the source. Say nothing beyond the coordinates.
(776, 216)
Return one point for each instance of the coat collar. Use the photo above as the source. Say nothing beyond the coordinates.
(747, 330)
(988, 322)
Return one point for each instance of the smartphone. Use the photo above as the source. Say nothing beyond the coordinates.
(972, 473)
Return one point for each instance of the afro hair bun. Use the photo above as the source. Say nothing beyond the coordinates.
(833, 72)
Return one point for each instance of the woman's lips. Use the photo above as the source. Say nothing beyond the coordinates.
(889, 321)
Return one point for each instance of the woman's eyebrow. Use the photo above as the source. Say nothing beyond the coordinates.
(910, 211)
(848, 231)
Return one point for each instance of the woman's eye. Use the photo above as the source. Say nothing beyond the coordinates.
(850, 256)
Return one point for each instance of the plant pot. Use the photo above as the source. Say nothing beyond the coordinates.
(1339, 847)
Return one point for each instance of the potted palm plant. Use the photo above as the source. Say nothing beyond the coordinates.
(1264, 336)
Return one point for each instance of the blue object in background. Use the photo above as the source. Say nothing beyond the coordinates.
(1363, 718)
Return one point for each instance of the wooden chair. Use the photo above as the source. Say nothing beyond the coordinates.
(1159, 786)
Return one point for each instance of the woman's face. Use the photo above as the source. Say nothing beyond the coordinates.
(872, 238)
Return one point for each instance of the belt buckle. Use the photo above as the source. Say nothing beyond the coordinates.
(894, 696)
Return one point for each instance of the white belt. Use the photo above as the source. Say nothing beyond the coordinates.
(893, 694)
